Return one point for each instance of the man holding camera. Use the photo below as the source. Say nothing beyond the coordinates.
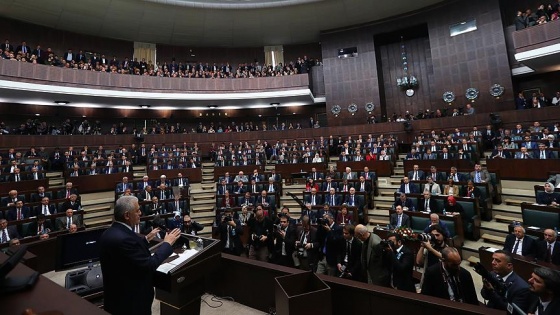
(328, 234)
(431, 247)
(260, 237)
(284, 241)
(513, 288)
(306, 245)
(230, 229)
(348, 259)
(402, 264)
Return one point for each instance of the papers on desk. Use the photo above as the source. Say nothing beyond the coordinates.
(184, 256)
(491, 249)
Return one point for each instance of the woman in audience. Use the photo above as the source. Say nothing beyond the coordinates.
(450, 189)
(432, 187)
(507, 144)
(311, 184)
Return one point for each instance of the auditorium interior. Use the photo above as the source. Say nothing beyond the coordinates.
(349, 111)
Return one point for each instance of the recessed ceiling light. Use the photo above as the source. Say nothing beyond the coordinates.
(37, 114)
(144, 106)
(61, 102)
(294, 113)
(212, 106)
(260, 115)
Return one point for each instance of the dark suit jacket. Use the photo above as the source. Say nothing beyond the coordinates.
(529, 245)
(325, 185)
(544, 198)
(120, 245)
(403, 264)
(39, 209)
(420, 175)
(434, 208)
(30, 176)
(330, 239)
(405, 221)
(234, 233)
(376, 261)
(541, 251)
(408, 204)
(36, 198)
(12, 231)
(435, 286)
(518, 292)
(354, 264)
(11, 215)
(141, 185)
(62, 193)
(61, 222)
(120, 189)
(318, 199)
(32, 229)
(412, 188)
(328, 199)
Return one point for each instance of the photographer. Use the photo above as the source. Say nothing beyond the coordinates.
(190, 227)
(348, 259)
(284, 242)
(516, 289)
(430, 252)
(402, 264)
(260, 235)
(230, 229)
(329, 233)
(306, 245)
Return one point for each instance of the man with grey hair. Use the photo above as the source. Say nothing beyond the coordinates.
(126, 261)
(375, 260)
(520, 244)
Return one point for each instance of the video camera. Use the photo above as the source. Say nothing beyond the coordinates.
(425, 237)
(498, 286)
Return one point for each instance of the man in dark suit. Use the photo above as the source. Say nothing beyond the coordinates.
(38, 196)
(35, 174)
(499, 153)
(404, 202)
(407, 187)
(124, 185)
(349, 264)
(230, 230)
(307, 244)
(428, 204)
(328, 184)
(178, 205)
(7, 46)
(246, 200)
(329, 233)
(63, 223)
(145, 182)
(402, 264)
(44, 208)
(181, 182)
(39, 226)
(154, 207)
(416, 173)
(18, 212)
(545, 283)
(7, 233)
(519, 243)
(434, 220)
(448, 276)
(332, 198)
(285, 239)
(399, 219)
(72, 203)
(314, 199)
(67, 192)
(119, 244)
(163, 192)
(222, 188)
(436, 176)
(517, 291)
(548, 250)
(26, 50)
(457, 177)
(190, 226)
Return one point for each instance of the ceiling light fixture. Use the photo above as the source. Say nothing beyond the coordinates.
(144, 106)
(61, 102)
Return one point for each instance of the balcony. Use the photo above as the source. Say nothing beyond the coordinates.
(537, 48)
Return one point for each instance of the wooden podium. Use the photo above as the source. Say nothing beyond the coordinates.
(180, 289)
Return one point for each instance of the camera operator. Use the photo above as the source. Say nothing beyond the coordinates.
(306, 245)
(517, 290)
(432, 249)
(230, 229)
(349, 255)
(402, 263)
(328, 234)
(260, 235)
(284, 241)
(191, 227)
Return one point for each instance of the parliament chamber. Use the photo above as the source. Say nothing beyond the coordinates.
(381, 122)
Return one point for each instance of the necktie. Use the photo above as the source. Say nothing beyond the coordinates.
(415, 176)
(516, 247)
(445, 156)
(39, 229)
(17, 178)
(363, 187)
(352, 200)
(35, 177)
(477, 177)
(68, 194)
(332, 200)
(399, 220)
(4, 236)
(68, 223)
(426, 206)
(313, 200)
(19, 214)
(543, 156)
(45, 210)
(548, 256)
(348, 251)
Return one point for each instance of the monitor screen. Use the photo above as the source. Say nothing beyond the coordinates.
(77, 249)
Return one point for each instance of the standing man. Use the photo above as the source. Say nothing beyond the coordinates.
(349, 255)
(126, 261)
(374, 264)
(517, 289)
(402, 264)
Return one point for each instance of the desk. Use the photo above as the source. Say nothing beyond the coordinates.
(193, 174)
(44, 296)
(100, 182)
(23, 185)
(286, 170)
(522, 266)
(381, 168)
(220, 171)
(517, 169)
(442, 165)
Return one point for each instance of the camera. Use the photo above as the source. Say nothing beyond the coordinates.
(277, 227)
(322, 221)
(425, 237)
(499, 286)
(226, 219)
(385, 243)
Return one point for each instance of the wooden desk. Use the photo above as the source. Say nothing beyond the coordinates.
(193, 174)
(44, 296)
(517, 169)
(100, 182)
(348, 296)
(23, 185)
(286, 170)
(521, 265)
(219, 171)
(442, 165)
(381, 168)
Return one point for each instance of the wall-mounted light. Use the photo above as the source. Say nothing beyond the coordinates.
(144, 106)
(61, 102)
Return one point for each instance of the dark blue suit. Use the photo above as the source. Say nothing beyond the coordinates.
(529, 245)
(518, 292)
(128, 270)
